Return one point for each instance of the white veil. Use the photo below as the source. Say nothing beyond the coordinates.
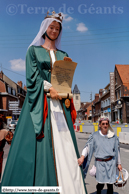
(44, 25)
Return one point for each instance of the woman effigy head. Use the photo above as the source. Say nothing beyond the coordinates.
(51, 21)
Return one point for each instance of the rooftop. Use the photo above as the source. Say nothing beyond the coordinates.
(123, 71)
(76, 90)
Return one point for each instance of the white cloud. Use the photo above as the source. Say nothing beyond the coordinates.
(81, 27)
(66, 27)
(17, 64)
(67, 18)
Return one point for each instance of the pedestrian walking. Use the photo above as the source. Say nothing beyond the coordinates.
(104, 144)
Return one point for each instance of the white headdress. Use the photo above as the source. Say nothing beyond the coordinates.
(44, 25)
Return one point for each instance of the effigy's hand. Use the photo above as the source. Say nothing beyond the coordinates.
(54, 94)
(67, 59)
(81, 160)
(9, 137)
(119, 167)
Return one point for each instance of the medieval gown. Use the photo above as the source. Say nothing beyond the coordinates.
(52, 160)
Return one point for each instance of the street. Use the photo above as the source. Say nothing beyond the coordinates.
(90, 181)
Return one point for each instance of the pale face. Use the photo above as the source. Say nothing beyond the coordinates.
(104, 127)
(53, 30)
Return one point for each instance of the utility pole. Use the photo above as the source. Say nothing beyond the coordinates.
(91, 96)
(1, 66)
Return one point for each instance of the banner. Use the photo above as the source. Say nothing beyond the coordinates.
(112, 87)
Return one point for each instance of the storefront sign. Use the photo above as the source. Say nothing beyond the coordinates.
(108, 110)
(118, 106)
(112, 87)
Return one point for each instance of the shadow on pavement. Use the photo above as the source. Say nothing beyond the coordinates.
(104, 191)
(83, 138)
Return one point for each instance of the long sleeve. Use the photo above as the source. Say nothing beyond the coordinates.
(88, 152)
(47, 85)
(119, 160)
(35, 90)
(117, 146)
(85, 151)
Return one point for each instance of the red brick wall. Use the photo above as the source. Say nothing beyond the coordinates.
(1, 75)
(119, 82)
(1, 105)
(19, 83)
(2, 87)
(89, 108)
(125, 90)
(4, 102)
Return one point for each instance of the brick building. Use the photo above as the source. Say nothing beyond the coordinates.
(10, 91)
(101, 105)
(105, 102)
(120, 108)
(85, 111)
(89, 111)
(96, 107)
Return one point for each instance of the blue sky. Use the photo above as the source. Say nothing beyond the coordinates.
(95, 35)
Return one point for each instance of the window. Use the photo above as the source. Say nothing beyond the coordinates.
(115, 80)
(103, 91)
(76, 97)
(104, 104)
(108, 101)
(19, 90)
(116, 96)
(14, 92)
(9, 89)
(119, 93)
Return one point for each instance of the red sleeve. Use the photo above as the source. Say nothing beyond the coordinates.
(73, 111)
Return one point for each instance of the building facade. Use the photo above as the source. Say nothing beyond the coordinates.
(105, 102)
(10, 92)
(113, 100)
(85, 111)
(120, 107)
(96, 107)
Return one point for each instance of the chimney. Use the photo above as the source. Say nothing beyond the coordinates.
(25, 88)
(19, 83)
(1, 75)
(96, 97)
(101, 92)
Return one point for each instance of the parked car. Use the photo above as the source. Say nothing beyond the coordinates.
(12, 125)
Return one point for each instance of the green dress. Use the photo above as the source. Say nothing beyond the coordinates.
(31, 161)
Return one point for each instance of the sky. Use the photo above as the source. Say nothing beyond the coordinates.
(95, 35)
